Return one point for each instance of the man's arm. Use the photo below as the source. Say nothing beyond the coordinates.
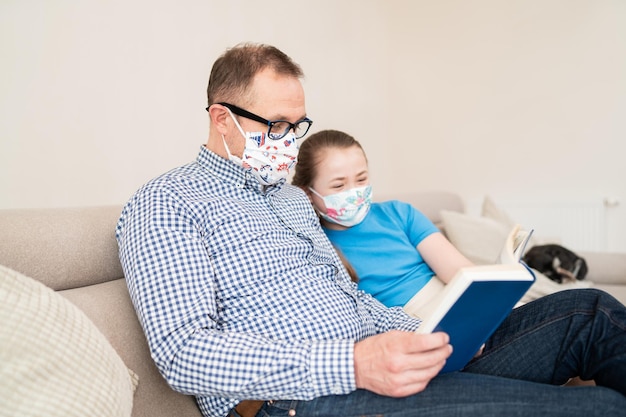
(172, 284)
(385, 318)
(397, 362)
(251, 367)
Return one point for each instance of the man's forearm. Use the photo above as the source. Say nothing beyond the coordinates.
(233, 365)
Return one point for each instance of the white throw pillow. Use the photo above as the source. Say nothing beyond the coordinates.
(53, 360)
(480, 239)
(491, 211)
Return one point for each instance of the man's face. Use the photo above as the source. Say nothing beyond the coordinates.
(274, 97)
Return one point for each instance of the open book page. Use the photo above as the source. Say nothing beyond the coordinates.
(515, 245)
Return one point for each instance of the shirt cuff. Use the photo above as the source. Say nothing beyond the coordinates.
(332, 367)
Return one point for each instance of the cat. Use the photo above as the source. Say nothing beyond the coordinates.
(556, 262)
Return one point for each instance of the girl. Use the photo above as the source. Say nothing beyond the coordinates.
(399, 255)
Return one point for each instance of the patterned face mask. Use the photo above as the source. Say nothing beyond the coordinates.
(347, 208)
(269, 160)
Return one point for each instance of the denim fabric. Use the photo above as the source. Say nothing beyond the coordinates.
(538, 348)
(570, 333)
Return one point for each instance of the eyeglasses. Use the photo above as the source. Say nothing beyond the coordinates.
(276, 129)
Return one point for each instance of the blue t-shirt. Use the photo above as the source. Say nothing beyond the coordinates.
(382, 250)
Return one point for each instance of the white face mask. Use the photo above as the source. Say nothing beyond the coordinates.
(347, 208)
(269, 160)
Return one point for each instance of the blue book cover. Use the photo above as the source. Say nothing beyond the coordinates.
(476, 301)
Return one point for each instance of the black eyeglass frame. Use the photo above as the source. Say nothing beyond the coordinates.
(269, 123)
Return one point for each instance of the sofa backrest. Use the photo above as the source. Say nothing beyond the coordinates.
(61, 247)
(67, 248)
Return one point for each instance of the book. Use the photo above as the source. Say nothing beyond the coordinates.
(478, 299)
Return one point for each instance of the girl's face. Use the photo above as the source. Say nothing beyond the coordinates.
(339, 169)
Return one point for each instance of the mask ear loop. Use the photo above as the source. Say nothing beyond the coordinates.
(319, 213)
(232, 116)
(232, 157)
(316, 193)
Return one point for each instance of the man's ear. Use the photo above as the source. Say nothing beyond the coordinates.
(219, 116)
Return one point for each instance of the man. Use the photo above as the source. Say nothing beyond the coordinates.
(246, 305)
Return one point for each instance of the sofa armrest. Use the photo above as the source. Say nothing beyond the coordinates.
(606, 267)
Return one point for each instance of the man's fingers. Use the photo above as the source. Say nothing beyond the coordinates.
(399, 363)
(425, 342)
(412, 381)
(430, 354)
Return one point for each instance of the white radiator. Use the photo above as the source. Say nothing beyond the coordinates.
(575, 225)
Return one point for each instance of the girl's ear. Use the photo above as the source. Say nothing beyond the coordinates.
(219, 118)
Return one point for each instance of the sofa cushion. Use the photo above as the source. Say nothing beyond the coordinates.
(53, 359)
(109, 307)
(491, 210)
(481, 238)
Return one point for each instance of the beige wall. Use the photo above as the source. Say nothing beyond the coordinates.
(517, 99)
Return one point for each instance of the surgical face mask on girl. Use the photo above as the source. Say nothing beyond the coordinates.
(347, 208)
(269, 160)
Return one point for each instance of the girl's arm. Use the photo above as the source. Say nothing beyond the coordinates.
(442, 257)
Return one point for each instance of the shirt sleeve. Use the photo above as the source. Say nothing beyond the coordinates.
(236, 365)
(163, 255)
(388, 318)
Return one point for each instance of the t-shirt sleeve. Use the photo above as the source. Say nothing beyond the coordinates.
(417, 225)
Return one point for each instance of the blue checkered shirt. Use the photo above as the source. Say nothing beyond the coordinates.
(238, 290)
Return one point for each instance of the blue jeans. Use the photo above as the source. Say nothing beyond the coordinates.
(538, 348)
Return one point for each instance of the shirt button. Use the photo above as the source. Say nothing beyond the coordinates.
(336, 389)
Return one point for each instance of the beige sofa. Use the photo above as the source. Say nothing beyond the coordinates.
(74, 252)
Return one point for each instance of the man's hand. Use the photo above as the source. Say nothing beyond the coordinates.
(399, 363)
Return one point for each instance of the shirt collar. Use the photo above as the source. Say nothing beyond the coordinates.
(230, 172)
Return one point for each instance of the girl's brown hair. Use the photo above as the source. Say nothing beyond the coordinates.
(309, 158)
(311, 150)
